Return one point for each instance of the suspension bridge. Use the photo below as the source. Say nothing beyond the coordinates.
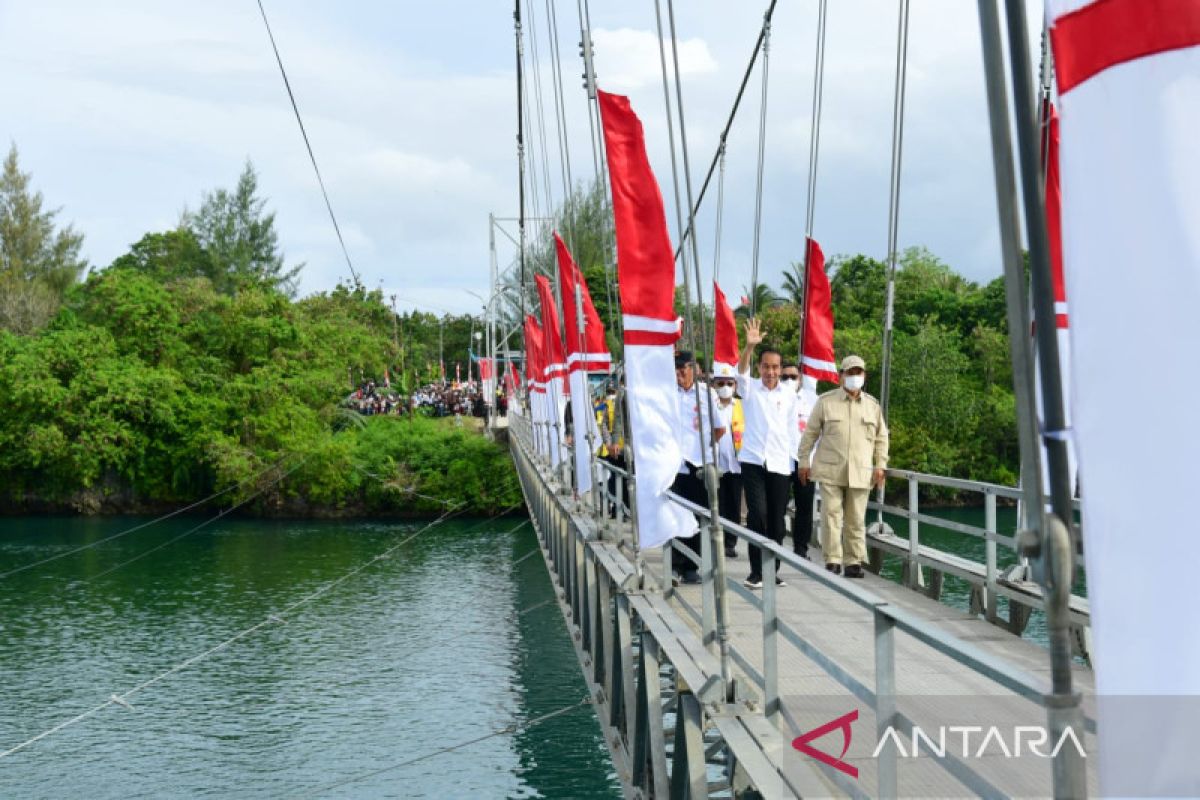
(819, 686)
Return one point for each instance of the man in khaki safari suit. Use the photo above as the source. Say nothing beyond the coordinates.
(851, 437)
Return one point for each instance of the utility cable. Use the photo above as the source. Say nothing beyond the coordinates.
(515, 727)
(277, 618)
(292, 97)
(143, 525)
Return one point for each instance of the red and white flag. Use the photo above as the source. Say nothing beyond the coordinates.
(646, 274)
(587, 351)
(725, 338)
(1128, 74)
(554, 369)
(534, 372)
(818, 361)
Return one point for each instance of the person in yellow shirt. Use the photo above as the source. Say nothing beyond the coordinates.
(851, 439)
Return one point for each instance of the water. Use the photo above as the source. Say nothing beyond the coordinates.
(419, 652)
(955, 591)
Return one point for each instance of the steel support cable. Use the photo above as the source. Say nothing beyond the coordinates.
(560, 113)
(894, 202)
(277, 618)
(687, 292)
(143, 525)
(222, 513)
(521, 176)
(758, 186)
(814, 149)
(719, 217)
(737, 102)
(308, 145)
(543, 138)
(508, 729)
(596, 124)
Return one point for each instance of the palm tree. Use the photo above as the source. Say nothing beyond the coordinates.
(793, 284)
(760, 297)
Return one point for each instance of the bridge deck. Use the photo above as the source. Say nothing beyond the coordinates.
(932, 689)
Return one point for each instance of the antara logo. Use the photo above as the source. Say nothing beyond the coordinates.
(1031, 739)
(801, 743)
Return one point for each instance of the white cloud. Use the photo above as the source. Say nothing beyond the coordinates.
(627, 58)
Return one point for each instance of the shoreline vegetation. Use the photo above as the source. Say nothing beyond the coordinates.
(189, 367)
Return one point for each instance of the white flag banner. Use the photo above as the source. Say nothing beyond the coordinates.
(1129, 83)
(583, 423)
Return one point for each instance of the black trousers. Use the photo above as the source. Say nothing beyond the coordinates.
(729, 500)
(689, 487)
(802, 522)
(766, 503)
(616, 461)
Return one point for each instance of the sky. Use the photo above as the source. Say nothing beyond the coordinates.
(127, 113)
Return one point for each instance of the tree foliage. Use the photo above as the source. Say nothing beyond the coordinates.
(238, 234)
(38, 260)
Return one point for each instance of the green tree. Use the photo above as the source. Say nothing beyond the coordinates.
(760, 297)
(240, 239)
(38, 262)
(168, 256)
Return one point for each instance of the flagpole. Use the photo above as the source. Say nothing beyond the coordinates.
(1049, 537)
(814, 144)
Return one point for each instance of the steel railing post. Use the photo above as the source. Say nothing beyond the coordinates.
(885, 700)
(914, 533)
(989, 524)
(770, 631)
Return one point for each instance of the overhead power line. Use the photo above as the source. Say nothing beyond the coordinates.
(292, 97)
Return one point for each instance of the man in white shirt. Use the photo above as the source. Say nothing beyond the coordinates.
(696, 435)
(768, 446)
(729, 415)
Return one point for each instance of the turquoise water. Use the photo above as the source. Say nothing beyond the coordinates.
(419, 652)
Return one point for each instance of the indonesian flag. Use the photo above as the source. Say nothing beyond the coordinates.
(487, 378)
(1129, 93)
(646, 274)
(554, 368)
(817, 361)
(725, 340)
(587, 351)
(537, 385)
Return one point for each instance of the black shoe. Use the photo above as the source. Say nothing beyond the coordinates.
(780, 582)
(836, 569)
(855, 571)
(753, 582)
(691, 576)
(731, 552)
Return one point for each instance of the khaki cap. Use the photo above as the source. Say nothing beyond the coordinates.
(849, 362)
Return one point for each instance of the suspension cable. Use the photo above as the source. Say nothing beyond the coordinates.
(308, 145)
(737, 101)
(507, 729)
(520, 147)
(762, 143)
(277, 618)
(720, 215)
(222, 513)
(143, 525)
(814, 146)
(560, 110)
(894, 200)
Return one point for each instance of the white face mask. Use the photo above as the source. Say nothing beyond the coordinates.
(853, 383)
(724, 392)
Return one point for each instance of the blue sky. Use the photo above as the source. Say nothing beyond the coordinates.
(125, 113)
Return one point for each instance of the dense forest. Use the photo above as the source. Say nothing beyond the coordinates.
(188, 366)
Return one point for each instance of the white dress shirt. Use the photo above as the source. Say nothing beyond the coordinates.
(772, 437)
(727, 460)
(694, 417)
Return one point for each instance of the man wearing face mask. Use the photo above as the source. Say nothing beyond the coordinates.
(851, 439)
(696, 434)
(731, 415)
(802, 493)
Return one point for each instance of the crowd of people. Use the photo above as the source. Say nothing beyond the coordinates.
(453, 399)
